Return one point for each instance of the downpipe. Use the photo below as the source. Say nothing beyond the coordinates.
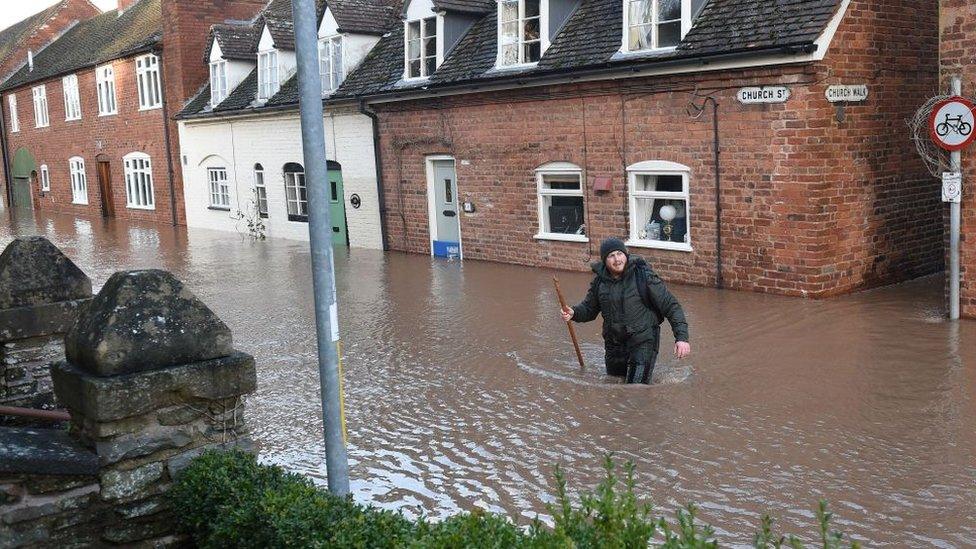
(377, 160)
(695, 111)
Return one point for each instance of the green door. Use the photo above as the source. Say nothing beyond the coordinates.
(22, 167)
(337, 209)
(21, 193)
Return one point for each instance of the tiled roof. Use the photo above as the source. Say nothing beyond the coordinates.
(365, 16)
(102, 38)
(287, 94)
(12, 35)
(237, 41)
(467, 6)
(591, 38)
(242, 96)
(198, 102)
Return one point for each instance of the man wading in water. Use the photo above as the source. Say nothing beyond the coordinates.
(634, 302)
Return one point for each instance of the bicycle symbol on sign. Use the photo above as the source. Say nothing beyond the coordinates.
(955, 124)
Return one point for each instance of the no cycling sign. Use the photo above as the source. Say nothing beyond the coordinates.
(951, 123)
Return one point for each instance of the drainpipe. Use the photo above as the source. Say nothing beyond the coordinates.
(6, 158)
(380, 195)
(717, 151)
(167, 141)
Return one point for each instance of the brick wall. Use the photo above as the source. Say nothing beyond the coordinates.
(812, 206)
(958, 49)
(68, 13)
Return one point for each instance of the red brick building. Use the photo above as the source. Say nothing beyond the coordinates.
(88, 124)
(574, 131)
(958, 52)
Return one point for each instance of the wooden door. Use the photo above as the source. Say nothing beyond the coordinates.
(105, 189)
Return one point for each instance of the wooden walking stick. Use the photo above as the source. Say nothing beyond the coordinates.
(569, 323)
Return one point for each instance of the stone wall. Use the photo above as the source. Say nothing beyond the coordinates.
(151, 380)
(41, 293)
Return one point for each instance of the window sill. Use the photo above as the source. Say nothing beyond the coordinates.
(72, 119)
(79, 202)
(152, 108)
(44, 126)
(660, 245)
(298, 218)
(134, 207)
(648, 52)
(562, 237)
(108, 113)
(219, 208)
(515, 67)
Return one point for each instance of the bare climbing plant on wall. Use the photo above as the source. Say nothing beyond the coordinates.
(249, 221)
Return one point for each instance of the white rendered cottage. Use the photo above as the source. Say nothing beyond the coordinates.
(241, 137)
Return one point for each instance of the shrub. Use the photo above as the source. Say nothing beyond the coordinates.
(229, 500)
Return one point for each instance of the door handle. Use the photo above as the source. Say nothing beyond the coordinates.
(449, 213)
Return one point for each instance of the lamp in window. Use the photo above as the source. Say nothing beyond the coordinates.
(668, 213)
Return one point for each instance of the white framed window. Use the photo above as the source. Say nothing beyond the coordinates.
(420, 48)
(260, 191)
(268, 83)
(41, 119)
(45, 178)
(659, 206)
(657, 24)
(105, 86)
(138, 181)
(79, 180)
(219, 188)
(330, 63)
(218, 82)
(14, 118)
(72, 103)
(519, 32)
(562, 211)
(147, 82)
(296, 194)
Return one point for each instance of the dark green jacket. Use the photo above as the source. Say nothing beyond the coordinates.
(626, 320)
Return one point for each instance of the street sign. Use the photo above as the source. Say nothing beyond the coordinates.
(951, 187)
(850, 94)
(765, 94)
(951, 123)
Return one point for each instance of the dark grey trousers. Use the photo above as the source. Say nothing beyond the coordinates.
(636, 363)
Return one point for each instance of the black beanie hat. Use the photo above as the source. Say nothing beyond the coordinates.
(611, 245)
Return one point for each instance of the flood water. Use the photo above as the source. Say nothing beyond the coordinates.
(462, 389)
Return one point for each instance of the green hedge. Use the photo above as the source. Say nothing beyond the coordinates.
(227, 499)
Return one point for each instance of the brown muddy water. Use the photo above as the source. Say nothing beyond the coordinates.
(462, 389)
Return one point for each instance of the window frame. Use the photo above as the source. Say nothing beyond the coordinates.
(130, 177)
(79, 180)
(558, 169)
(39, 95)
(685, 18)
(215, 97)
(658, 167)
(14, 115)
(273, 86)
(335, 79)
(148, 85)
(260, 191)
(72, 100)
(45, 179)
(438, 46)
(298, 217)
(105, 89)
(219, 188)
(520, 41)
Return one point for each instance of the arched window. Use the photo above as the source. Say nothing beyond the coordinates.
(296, 194)
(260, 191)
(79, 180)
(138, 181)
(659, 205)
(561, 207)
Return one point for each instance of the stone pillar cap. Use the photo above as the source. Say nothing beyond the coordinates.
(145, 320)
(35, 272)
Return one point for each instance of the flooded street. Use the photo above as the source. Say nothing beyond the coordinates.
(462, 389)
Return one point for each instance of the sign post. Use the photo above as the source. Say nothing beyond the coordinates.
(951, 127)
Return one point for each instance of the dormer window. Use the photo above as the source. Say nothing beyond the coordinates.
(421, 47)
(656, 24)
(268, 82)
(330, 63)
(218, 82)
(519, 32)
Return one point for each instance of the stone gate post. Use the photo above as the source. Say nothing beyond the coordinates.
(41, 294)
(151, 379)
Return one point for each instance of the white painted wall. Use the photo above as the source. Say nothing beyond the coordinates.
(273, 140)
(237, 70)
(419, 9)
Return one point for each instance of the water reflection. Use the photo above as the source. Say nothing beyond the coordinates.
(463, 389)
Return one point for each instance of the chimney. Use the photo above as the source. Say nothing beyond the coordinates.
(30, 60)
